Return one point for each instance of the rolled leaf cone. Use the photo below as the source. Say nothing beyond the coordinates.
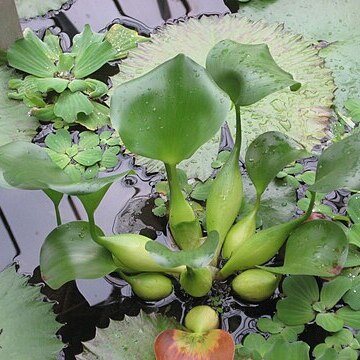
(196, 282)
(255, 284)
(224, 199)
(259, 248)
(149, 286)
(239, 233)
(130, 250)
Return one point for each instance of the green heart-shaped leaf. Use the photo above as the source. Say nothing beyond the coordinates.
(70, 104)
(346, 174)
(30, 55)
(247, 72)
(181, 345)
(334, 290)
(268, 154)
(350, 317)
(69, 253)
(329, 322)
(170, 111)
(195, 258)
(317, 247)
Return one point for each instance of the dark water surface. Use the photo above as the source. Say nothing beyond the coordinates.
(26, 217)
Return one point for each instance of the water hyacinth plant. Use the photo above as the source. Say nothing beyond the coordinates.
(167, 114)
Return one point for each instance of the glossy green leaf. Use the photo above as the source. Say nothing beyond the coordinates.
(332, 291)
(196, 258)
(59, 142)
(268, 154)
(70, 104)
(302, 115)
(346, 173)
(70, 253)
(89, 157)
(247, 72)
(146, 110)
(48, 84)
(120, 340)
(98, 118)
(92, 57)
(317, 247)
(329, 322)
(25, 315)
(281, 349)
(29, 54)
(353, 208)
(28, 9)
(14, 121)
(350, 317)
(352, 297)
(123, 39)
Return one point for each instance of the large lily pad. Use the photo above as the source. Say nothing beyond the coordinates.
(303, 115)
(130, 339)
(28, 325)
(31, 8)
(336, 22)
(14, 122)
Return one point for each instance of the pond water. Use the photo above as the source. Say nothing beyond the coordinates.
(26, 217)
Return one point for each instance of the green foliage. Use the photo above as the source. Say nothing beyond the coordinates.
(85, 159)
(57, 89)
(122, 340)
(353, 106)
(28, 324)
(28, 9)
(315, 248)
(69, 253)
(302, 114)
(304, 302)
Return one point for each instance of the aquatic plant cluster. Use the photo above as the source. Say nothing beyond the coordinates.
(167, 115)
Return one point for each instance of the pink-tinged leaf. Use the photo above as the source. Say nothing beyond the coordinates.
(181, 345)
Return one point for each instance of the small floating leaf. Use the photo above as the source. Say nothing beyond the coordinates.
(70, 253)
(315, 248)
(59, 142)
(329, 322)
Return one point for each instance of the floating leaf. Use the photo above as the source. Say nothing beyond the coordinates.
(59, 142)
(28, 325)
(97, 119)
(70, 104)
(28, 9)
(89, 157)
(329, 322)
(88, 140)
(268, 154)
(14, 120)
(302, 115)
(131, 339)
(353, 106)
(145, 111)
(247, 72)
(352, 297)
(70, 253)
(340, 48)
(284, 350)
(181, 345)
(315, 248)
(123, 39)
(30, 55)
(48, 84)
(346, 174)
(350, 317)
(332, 291)
(196, 258)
